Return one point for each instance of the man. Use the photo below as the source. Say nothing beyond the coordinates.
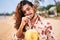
(26, 19)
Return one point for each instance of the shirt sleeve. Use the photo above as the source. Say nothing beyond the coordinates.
(49, 33)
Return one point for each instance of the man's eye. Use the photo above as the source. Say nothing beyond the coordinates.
(24, 12)
(27, 8)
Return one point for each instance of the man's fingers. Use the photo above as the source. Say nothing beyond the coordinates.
(28, 17)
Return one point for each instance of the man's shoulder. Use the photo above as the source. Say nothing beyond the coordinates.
(43, 20)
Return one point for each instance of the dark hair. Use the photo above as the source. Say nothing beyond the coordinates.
(26, 2)
(19, 14)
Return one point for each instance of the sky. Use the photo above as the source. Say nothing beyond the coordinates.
(10, 5)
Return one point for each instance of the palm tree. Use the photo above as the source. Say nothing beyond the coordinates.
(55, 1)
(36, 2)
(24, 0)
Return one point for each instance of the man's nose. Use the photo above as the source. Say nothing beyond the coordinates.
(27, 12)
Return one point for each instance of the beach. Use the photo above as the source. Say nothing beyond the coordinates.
(7, 27)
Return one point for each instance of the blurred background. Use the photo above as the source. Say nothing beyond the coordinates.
(49, 9)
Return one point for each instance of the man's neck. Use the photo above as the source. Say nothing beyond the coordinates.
(34, 19)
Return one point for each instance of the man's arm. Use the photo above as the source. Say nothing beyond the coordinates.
(49, 33)
(20, 30)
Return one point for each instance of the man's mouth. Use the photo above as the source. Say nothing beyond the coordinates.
(29, 14)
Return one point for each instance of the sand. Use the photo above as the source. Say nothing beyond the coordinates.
(7, 27)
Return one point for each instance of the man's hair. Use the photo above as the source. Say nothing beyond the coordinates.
(19, 14)
(26, 2)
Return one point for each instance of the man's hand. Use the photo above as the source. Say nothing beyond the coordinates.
(24, 21)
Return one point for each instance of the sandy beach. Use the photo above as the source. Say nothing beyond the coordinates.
(7, 27)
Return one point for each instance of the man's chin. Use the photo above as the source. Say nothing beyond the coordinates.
(32, 17)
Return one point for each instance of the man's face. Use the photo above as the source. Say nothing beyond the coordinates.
(28, 11)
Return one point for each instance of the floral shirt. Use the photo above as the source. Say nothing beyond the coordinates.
(43, 28)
